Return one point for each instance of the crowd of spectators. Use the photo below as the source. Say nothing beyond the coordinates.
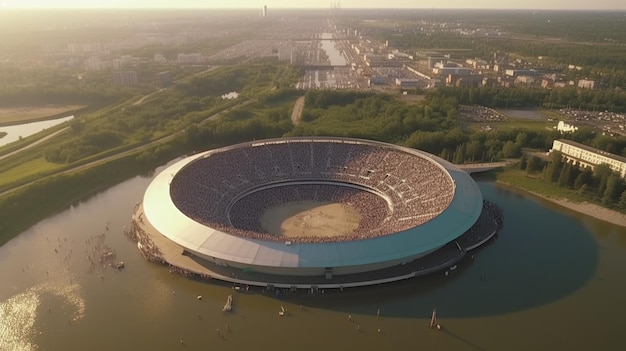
(245, 214)
(490, 221)
(222, 189)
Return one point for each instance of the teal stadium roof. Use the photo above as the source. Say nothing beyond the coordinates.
(461, 213)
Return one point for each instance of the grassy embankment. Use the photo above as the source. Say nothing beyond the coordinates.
(519, 179)
(20, 209)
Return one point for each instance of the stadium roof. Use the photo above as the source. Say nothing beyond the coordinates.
(460, 215)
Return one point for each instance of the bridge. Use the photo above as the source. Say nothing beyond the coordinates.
(484, 167)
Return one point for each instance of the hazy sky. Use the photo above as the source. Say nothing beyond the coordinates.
(527, 4)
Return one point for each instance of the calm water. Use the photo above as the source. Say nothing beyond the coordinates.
(555, 281)
(18, 131)
(334, 55)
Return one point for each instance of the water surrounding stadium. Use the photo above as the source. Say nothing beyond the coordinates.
(552, 280)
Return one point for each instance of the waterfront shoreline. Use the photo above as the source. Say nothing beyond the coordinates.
(587, 208)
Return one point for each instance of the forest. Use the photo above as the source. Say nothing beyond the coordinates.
(514, 97)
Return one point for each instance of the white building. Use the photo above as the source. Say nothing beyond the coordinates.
(586, 84)
(588, 156)
(565, 128)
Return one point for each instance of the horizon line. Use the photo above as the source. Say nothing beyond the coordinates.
(305, 8)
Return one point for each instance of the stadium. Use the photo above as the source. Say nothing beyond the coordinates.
(311, 211)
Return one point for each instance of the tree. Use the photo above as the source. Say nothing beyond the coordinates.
(459, 154)
(622, 201)
(614, 187)
(601, 174)
(534, 164)
(510, 149)
(584, 178)
(474, 150)
(555, 166)
(523, 162)
(565, 175)
(583, 189)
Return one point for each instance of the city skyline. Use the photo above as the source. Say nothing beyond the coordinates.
(459, 4)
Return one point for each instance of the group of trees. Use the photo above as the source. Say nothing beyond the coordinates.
(431, 125)
(372, 116)
(501, 97)
(183, 105)
(598, 185)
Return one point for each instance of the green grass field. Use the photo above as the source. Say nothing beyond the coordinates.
(518, 178)
(26, 170)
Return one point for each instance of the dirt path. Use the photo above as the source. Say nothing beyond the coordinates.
(296, 114)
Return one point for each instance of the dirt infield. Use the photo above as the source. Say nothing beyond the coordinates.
(311, 218)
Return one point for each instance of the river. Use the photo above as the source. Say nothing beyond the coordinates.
(334, 54)
(15, 132)
(553, 280)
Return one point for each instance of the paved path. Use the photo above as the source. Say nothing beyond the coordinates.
(35, 143)
(483, 167)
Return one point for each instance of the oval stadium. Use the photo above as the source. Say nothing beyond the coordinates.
(312, 212)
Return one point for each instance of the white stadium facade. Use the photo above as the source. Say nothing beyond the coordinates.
(411, 204)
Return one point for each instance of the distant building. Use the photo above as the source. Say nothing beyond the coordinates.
(525, 79)
(445, 71)
(586, 84)
(520, 72)
(588, 156)
(466, 81)
(124, 78)
(407, 82)
(547, 83)
(565, 128)
(477, 63)
(377, 80)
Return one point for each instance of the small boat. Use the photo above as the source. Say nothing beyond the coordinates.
(433, 321)
(199, 297)
(453, 268)
(229, 304)
(119, 265)
(283, 311)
